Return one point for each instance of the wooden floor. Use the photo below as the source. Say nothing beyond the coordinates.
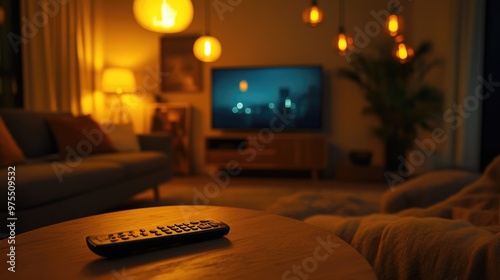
(259, 193)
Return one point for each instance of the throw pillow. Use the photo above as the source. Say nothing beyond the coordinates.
(10, 153)
(123, 137)
(79, 135)
(426, 190)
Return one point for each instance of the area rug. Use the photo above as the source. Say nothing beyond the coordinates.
(294, 198)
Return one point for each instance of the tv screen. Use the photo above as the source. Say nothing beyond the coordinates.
(287, 97)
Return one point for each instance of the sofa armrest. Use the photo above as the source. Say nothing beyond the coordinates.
(161, 142)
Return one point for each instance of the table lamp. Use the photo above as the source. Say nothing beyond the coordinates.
(119, 81)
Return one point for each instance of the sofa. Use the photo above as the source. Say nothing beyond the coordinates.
(50, 181)
(441, 225)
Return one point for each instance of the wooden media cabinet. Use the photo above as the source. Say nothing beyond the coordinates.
(264, 151)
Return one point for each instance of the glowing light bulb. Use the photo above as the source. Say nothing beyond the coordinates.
(312, 15)
(168, 16)
(207, 49)
(342, 42)
(165, 16)
(403, 52)
(395, 25)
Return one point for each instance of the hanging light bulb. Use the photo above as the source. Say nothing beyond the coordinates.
(394, 22)
(402, 51)
(165, 16)
(394, 25)
(207, 48)
(343, 42)
(313, 15)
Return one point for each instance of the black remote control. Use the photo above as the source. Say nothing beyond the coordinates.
(139, 240)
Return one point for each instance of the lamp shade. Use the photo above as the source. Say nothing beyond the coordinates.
(165, 16)
(207, 49)
(118, 80)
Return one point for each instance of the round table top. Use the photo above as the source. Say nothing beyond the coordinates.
(258, 246)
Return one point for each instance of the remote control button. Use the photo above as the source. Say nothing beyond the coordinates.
(113, 240)
(194, 222)
(158, 234)
(194, 228)
(160, 227)
(178, 225)
(214, 225)
(125, 238)
(203, 226)
(153, 231)
(204, 221)
(144, 234)
(142, 230)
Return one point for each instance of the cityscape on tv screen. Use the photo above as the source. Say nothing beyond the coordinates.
(281, 97)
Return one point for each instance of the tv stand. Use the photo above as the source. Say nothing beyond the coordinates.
(267, 151)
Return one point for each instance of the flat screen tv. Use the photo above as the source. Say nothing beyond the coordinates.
(285, 98)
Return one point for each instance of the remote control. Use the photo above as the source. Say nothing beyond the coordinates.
(139, 240)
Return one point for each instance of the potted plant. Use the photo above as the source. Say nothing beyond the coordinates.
(397, 95)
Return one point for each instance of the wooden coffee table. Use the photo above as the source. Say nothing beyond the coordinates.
(259, 246)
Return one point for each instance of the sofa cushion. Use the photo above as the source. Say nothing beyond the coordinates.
(79, 135)
(10, 153)
(24, 125)
(123, 137)
(42, 183)
(135, 163)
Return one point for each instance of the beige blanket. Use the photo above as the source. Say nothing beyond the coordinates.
(458, 238)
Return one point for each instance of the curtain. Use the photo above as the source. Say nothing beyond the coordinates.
(58, 54)
(465, 115)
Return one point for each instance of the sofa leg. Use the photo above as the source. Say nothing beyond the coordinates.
(157, 193)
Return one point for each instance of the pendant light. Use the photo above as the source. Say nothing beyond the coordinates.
(207, 48)
(343, 42)
(394, 22)
(402, 52)
(164, 16)
(313, 15)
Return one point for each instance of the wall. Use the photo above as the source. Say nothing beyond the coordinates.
(270, 32)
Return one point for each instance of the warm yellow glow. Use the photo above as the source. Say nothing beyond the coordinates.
(168, 16)
(165, 16)
(312, 15)
(207, 49)
(2, 15)
(243, 86)
(342, 42)
(403, 52)
(394, 25)
(118, 80)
